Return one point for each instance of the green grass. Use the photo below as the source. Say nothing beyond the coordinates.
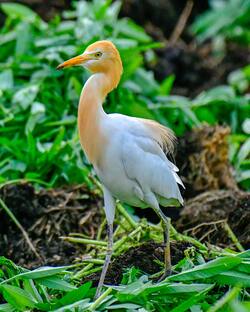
(227, 20)
(196, 285)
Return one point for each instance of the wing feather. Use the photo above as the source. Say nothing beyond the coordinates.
(145, 162)
(163, 135)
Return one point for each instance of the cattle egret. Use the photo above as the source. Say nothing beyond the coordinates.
(129, 154)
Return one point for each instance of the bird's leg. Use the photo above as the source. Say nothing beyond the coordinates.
(109, 207)
(107, 259)
(166, 223)
(167, 254)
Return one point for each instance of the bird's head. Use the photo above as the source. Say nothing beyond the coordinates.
(99, 57)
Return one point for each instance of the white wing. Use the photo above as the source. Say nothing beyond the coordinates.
(145, 162)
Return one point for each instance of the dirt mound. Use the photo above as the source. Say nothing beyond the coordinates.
(143, 257)
(202, 157)
(47, 215)
(208, 215)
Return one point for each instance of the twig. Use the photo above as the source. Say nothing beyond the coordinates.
(233, 237)
(84, 241)
(181, 22)
(207, 234)
(71, 208)
(204, 224)
(18, 224)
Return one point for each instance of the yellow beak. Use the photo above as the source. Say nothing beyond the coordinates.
(77, 60)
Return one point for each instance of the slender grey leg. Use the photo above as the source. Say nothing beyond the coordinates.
(109, 207)
(166, 222)
(107, 260)
(167, 253)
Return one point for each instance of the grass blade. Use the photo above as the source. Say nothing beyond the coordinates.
(206, 270)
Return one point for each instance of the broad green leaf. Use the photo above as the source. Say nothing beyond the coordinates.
(187, 304)
(133, 31)
(246, 125)
(75, 295)
(55, 282)
(17, 10)
(14, 10)
(6, 79)
(166, 85)
(16, 165)
(17, 297)
(40, 273)
(30, 287)
(206, 270)
(8, 37)
(233, 278)
(37, 112)
(179, 288)
(25, 97)
(130, 306)
(24, 39)
(244, 267)
(6, 307)
(81, 305)
(244, 255)
(221, 304)
(244, 151)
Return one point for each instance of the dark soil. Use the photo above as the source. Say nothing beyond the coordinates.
(204, 217)
(143, 257)
(46, 216)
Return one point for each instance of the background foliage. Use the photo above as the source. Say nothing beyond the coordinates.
(39, 104)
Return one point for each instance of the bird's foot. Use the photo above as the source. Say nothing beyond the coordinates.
(98, 292)
(165, 275)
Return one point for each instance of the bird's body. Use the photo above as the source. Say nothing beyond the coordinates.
(133, 166)
(129, 154)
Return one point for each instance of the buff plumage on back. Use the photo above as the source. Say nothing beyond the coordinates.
(163, 135)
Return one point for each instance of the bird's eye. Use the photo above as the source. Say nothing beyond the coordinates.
(98, 54)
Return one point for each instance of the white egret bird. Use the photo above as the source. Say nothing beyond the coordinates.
(129, 154)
